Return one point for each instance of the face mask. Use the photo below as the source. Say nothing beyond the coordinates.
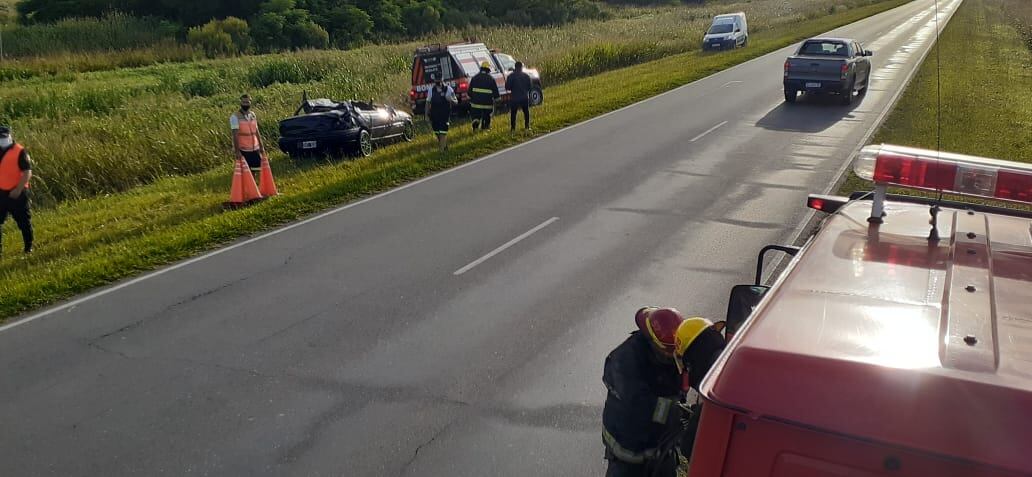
(5, 142)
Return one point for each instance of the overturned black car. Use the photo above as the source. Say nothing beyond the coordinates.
(323, 126)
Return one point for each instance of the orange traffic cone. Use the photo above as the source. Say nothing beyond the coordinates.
(268, 184)
(251, 192)
(236, 191)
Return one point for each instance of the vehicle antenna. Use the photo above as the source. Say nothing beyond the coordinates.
(933, 235)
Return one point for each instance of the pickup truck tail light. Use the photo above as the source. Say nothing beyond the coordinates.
(946, 172)
(788, 66)
(845, 71)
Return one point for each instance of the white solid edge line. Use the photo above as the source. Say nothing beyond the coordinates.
(508, 244)
(162, 271)
(714, 128)
(801, 228)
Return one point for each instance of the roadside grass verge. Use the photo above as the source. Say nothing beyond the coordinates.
(126, 128)
(88, 243)
(986, 58)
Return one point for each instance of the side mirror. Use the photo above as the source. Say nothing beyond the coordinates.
(740, 306)
(511, 70)
(868, 53)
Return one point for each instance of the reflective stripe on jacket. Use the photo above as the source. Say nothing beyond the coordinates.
(483, 90)
(620, 451)
(641, 399)
(247, 135)
(10, 173)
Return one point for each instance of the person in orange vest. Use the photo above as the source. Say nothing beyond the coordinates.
(15, 172)
(247, 140)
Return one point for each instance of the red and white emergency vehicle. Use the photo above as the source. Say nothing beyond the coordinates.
(457, 64)
(898, 341)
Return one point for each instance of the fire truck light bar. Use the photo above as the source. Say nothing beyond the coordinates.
(946, 172)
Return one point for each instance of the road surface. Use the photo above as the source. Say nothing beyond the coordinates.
(456, 326)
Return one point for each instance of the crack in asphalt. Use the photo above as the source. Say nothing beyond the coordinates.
(120, 330)
(137, 323)
(203, 294)
(100, 348)
(415, 455)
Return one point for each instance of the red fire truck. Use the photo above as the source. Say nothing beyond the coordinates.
(898, 341)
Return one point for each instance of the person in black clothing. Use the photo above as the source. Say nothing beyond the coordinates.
(519, 85)
(15, 172)
(698, 343)
(642, 406)
(439, 103)
(483, 91)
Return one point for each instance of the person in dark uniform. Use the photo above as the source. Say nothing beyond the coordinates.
(519, 85)
(439, 102)
(483, 91)
(15, 172)
(642, 406)
(698, 343)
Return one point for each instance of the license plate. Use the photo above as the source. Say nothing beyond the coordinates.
(813, 85)
(309, 145)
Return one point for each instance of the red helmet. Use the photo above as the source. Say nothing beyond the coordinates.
(659, 325)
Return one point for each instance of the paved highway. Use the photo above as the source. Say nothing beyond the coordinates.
(456, 326)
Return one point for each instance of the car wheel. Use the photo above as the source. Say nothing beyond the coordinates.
(791, 95)
(365, 144)
(536, 97)
(847, 95)
(409, 133)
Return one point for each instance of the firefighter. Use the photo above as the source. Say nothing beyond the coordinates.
(439, 102)
(642, 404)
(247, 140)
(15, 172)
(483, 91)
(698, 343)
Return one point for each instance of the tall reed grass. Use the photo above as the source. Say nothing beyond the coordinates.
(123, 128)
(115, 32)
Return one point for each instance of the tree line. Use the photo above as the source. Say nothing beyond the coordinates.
(238, 26)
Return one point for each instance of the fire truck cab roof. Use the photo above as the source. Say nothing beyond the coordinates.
(882, 332)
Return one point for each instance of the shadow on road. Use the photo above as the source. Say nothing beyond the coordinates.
(810, 113)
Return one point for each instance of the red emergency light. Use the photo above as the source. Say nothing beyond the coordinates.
(946, 172)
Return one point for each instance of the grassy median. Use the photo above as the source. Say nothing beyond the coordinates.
(91, 242)
(986, 67)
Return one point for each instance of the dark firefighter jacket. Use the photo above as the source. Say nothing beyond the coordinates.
(642, 402)
(482, 91)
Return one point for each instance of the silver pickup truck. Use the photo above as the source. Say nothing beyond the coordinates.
(828, 65)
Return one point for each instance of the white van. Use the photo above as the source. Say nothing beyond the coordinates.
(727, 32)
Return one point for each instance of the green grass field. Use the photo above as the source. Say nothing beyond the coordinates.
(986, 57)
(123, 128)
(103, 237)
